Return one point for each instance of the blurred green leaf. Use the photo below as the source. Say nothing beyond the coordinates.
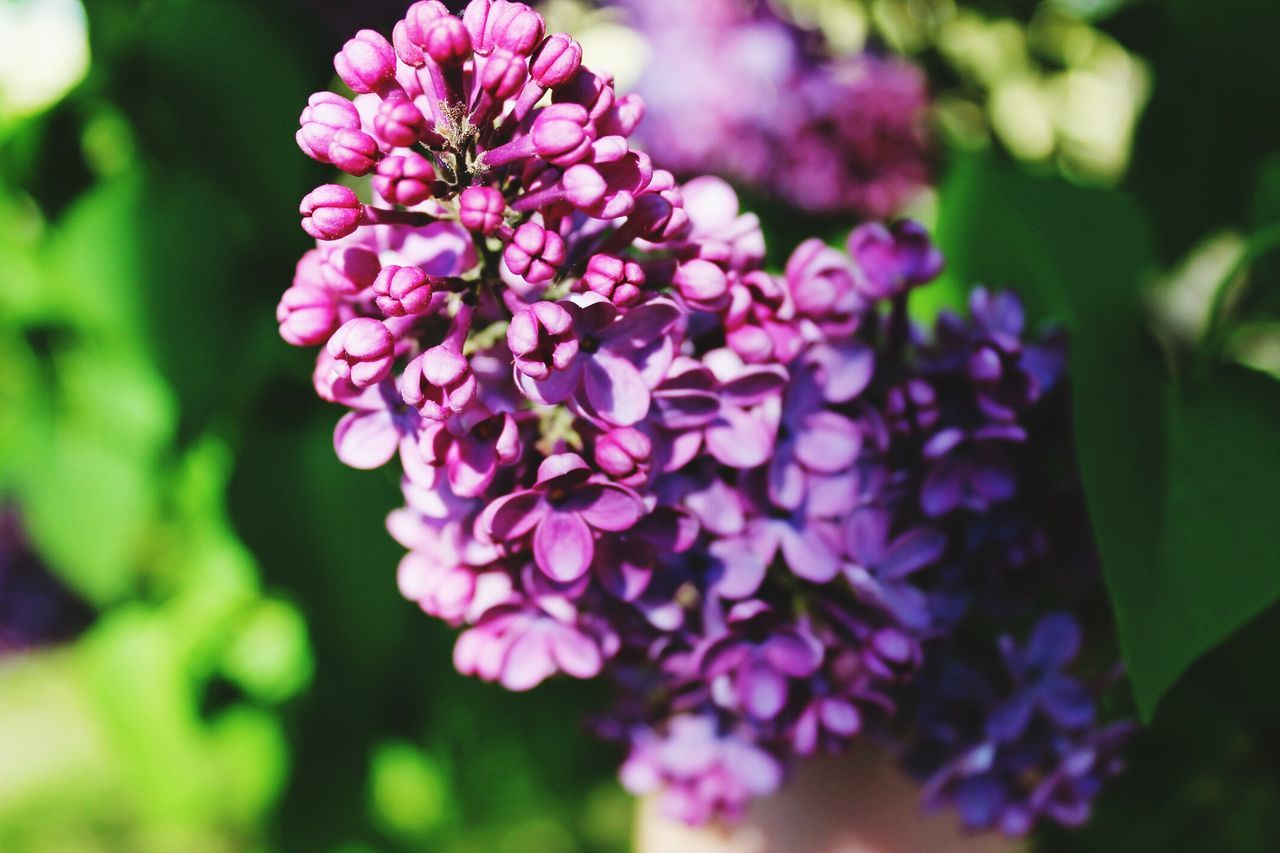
(1174, 472)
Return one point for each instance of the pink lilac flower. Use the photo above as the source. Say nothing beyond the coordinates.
(763, 506)
(736, 90)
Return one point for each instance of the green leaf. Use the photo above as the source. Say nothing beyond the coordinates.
(1174, 471)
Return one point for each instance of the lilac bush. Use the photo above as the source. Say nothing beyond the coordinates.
(740, 92)
(765, 507)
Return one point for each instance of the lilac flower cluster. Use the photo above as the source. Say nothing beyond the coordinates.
(739, 92)
(752, 501)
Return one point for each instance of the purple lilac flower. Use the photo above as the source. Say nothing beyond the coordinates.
(763, 506)
(738, 91)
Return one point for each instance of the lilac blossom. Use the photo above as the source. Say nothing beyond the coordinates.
(741, 92)
(763, 506)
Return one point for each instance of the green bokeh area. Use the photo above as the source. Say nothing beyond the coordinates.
(252, 679)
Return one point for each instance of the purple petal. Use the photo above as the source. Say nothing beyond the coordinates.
(795, 655)
(556, 388)
(741, 566)
(1054, 642)
(913, 550)
(642, 325)
(607, 506)
(528, 662)
(1008, 721)
(471, 466)
(511, 516)
(754, 385)
(808, 553)
(828, 442)
(563, 546)
(739, 439)
(615, 389)
(865, 532)
(576, 653)
(1067, 701)
(786, 478)
(762, 690)
(366, 439)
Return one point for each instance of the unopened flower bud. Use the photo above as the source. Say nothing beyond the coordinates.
(481, 209)
(347, 269)
(503, 74)
(366, 63)
(307, 316)
(331, 212)
(399, 122)
(516, 28)
(616, 278)
(326, 113)
(402, 290)
(354, 152)
(626, 455)
(541, 339)
(363, 349)
(703, 285)
(405, 178)
(439, 383)
(534, 253)
(555, 61)
(445, 40)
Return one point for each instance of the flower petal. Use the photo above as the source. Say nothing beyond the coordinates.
(366, 439)
(511, 516)
(563, 546)
(607, 506)
(615, 389)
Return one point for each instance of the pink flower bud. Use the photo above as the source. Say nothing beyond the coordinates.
(363, 350)
(476, 20)
(399, 122)
(541, 339)
(331, 212)
(562, 134)
(402, 290)
(591, 90)
(354, 152)
(555, 61)
(445, 40)
(366, 63)
(407, 52)
(405, 179)
(347, 270)
(408, 36)
(626, 455)
(325, 114)
(703, 285)
(624, 117)
(481, 209)
(307, 316)
(439, 384)
(517, 28)
(616, 278)
(534, 253)
(503, 74)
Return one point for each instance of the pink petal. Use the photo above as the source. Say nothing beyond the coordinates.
(528, 662)
(511, 516)
(563, 546)
(616, 389)
(606, 506)
(739, 440)
(366, 440)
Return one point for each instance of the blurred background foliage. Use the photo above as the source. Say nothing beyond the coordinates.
(250, 677)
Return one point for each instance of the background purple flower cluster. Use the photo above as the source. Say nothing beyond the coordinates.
(744, 94)
(767, 507)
